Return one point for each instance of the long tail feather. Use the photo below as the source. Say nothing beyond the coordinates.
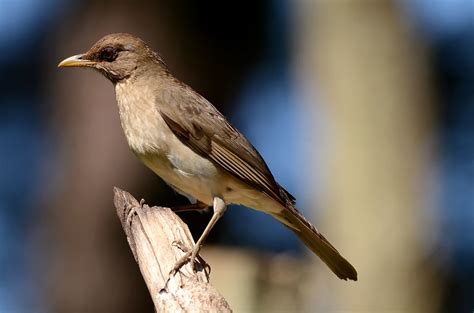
(317, 243)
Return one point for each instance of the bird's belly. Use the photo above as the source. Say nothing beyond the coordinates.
(187, 172)
(198, 178)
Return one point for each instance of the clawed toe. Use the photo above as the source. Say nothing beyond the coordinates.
(181, 262)
(179, 244)
(190, 256)
(131, 212)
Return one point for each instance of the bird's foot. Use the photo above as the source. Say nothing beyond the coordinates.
(130, 213)
(190, 256)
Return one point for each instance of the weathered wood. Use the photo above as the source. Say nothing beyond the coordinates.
(157, 238)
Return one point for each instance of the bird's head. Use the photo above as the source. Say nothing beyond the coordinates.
(117, 56)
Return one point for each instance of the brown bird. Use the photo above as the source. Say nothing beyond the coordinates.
(184, 139)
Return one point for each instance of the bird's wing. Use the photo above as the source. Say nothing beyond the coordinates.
(200, 126)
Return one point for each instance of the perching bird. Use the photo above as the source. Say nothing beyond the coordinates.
(186, 141)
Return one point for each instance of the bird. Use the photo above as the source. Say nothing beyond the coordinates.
(186, 141)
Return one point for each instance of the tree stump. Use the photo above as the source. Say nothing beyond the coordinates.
(158, 238)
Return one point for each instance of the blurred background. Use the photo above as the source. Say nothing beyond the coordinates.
(363, 109)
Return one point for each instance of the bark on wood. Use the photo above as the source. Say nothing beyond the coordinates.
(157, 238)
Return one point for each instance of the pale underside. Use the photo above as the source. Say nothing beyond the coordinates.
(189, 173)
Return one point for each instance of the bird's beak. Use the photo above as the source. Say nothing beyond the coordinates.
(77, 60)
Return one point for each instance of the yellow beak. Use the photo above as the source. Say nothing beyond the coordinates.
(76, 61)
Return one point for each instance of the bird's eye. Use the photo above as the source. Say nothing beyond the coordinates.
(108, 54)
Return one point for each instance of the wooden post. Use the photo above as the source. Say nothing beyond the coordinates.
(157, 238)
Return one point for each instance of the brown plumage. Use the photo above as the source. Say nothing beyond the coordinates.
(185, 140)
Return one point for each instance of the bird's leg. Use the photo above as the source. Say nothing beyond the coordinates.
(219, 209)
(198, 206)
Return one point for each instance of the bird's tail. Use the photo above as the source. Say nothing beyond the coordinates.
(316, 242)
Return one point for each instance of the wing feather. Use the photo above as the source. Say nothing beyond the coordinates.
(198, 124)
